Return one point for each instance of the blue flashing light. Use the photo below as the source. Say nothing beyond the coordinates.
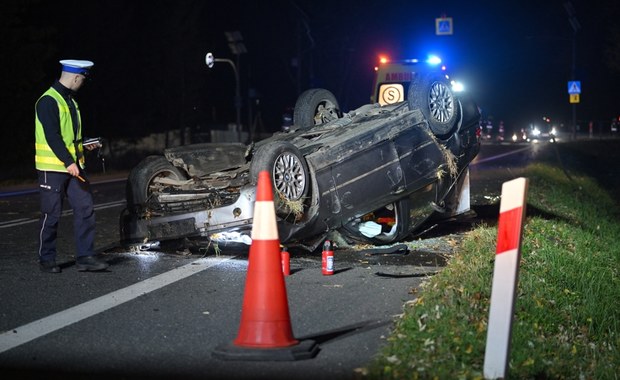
(433, 60)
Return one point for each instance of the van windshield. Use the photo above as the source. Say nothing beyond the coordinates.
(392, 83)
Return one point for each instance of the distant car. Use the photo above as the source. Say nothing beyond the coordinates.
(373, 174)
(544, 133)
(520, 136)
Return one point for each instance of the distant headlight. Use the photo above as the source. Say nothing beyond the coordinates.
(536, 132)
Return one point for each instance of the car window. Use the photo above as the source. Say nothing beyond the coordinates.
(392, 83)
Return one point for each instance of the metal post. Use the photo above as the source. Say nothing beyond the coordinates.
(237, 102)
(573, 78)
(574, 23)
(237, 93)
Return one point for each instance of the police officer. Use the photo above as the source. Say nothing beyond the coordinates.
(59, 160)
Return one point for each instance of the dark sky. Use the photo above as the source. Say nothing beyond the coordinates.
(150, 75)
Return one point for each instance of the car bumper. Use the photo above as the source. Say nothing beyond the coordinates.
(142, 228)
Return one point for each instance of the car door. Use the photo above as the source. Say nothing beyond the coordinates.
(420, 156)
(363, 181)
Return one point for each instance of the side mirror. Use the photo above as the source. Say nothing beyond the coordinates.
(210, 60)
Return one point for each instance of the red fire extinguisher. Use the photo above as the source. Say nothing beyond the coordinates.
(286, 262)
(327, 261)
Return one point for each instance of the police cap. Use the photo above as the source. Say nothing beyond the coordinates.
(76, 66)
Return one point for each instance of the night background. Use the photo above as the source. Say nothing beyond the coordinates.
(150, 73)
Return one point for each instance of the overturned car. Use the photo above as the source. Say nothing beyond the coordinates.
(373, 175)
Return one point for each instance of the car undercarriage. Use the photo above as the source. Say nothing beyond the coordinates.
(373, 174)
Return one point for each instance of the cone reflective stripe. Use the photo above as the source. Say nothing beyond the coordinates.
(505, 278)
(265, 226)
(265, 319)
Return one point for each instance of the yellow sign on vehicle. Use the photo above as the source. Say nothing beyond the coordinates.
(391, 93)
(392, 82)
(574, 98)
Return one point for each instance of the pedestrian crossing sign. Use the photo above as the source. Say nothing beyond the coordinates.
(574, 87)
(443, 26)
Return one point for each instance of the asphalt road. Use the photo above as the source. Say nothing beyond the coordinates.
(163, 313)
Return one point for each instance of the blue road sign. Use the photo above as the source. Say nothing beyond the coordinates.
(574, 87)
(443, 26)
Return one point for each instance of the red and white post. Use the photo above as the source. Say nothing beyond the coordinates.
(505, 277)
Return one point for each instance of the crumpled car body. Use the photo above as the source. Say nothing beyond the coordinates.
(372, 175)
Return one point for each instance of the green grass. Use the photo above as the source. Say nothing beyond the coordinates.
(568, 298)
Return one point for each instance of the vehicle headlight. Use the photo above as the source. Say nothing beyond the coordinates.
(457, 86)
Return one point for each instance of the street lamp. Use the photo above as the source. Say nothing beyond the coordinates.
(210, 61)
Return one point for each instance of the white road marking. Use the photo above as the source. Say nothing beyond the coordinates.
(19, 222)
(15, 222)
(492, 158)
(35, 189)
(33, 330)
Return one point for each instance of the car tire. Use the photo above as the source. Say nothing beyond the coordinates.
(287, 169)
(141, 178)
(432, 94)
(314, 107)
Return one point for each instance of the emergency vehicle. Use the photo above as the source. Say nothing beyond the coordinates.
(392, 78)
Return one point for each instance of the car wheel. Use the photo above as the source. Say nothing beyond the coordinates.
(289, 174)
(432, 94)
(140, 179)
(314, 107)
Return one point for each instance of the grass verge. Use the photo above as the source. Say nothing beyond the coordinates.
(567, 309)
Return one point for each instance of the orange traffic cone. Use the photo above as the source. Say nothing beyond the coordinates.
(265, 332)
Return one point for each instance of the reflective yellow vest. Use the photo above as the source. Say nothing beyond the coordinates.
(44, 158)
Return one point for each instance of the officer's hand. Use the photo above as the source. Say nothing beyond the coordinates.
(92, 146)
(73, 170)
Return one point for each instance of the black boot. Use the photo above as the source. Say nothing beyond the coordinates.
(90, 264)
(49, 266)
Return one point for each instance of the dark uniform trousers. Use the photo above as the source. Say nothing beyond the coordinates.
(53, 187)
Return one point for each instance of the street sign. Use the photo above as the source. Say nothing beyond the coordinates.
(443, 26)
(574, 98)
(574, 87)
